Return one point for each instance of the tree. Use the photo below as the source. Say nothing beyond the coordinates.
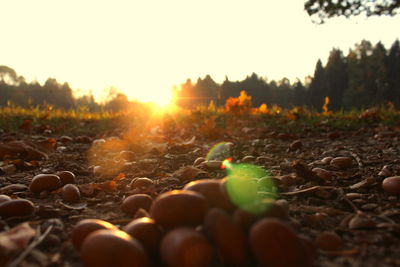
(336, 78)
(9, 76)
(284, 93)
(366, 65)
(318, 89)
(119, 103)
(257, 88)
(206, 90)
(185, 94)
(299, 94)
(393, 75)
(228, 89)
(380, 78)
(325, 9)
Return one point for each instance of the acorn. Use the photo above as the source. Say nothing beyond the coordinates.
(4, 198)
(103, 248)
(361, 221)
(329, 241)
(244, 219)
(341, 162)
(83, 228)
(44, 182)
(322, 173)
(212, 191)
(131, 204)
(142, 185)
(147, 232)
(326, 160)
(392, 185)
(229, 239)
(185, 247)
(70, 193)
(275, 244)
(179, 208)
(16, 208)
(66, 177)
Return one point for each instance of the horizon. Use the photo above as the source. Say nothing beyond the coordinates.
(144, 49)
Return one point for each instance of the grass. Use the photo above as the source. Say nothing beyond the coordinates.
(206, 119)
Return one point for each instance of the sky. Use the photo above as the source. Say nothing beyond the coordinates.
(144, 48)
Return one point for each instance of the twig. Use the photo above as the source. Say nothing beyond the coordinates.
(31, 246)
(306, 190)
(357, 158)
(343, 197)
(382, 217)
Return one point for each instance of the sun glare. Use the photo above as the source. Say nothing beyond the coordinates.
(161, 98)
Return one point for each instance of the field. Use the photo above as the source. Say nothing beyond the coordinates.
(295, 187)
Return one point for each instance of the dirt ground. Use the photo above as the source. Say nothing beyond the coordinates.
(347, 199)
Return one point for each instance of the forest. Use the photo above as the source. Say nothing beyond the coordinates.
(367, 76)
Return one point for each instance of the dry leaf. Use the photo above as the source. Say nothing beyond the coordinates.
(305, 172)
(19, 149)
(13, 240)
(190, 173)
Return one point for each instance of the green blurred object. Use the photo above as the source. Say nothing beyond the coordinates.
(249, 187)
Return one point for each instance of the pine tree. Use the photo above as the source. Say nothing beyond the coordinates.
(318, 89)
(336, 78)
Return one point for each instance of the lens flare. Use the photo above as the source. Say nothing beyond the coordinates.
(226, 164)
(220, 151)
(249, 187)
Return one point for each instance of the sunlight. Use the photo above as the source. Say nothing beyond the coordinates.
(161, 98)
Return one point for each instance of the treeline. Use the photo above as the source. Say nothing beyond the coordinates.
(368, 75)
(16, 91)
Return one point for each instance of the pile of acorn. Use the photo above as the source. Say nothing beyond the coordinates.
(40, 184)
(195, 226)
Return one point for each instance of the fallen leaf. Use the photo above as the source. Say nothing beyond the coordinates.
(13, 240)
(190, 173)
(305, 172)
(20, 150)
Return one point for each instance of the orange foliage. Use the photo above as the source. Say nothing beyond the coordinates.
(239, 105)
(263, 109)
(325, 106)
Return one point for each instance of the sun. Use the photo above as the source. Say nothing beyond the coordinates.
(161, 97)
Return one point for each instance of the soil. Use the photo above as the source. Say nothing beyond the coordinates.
(350, 201)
